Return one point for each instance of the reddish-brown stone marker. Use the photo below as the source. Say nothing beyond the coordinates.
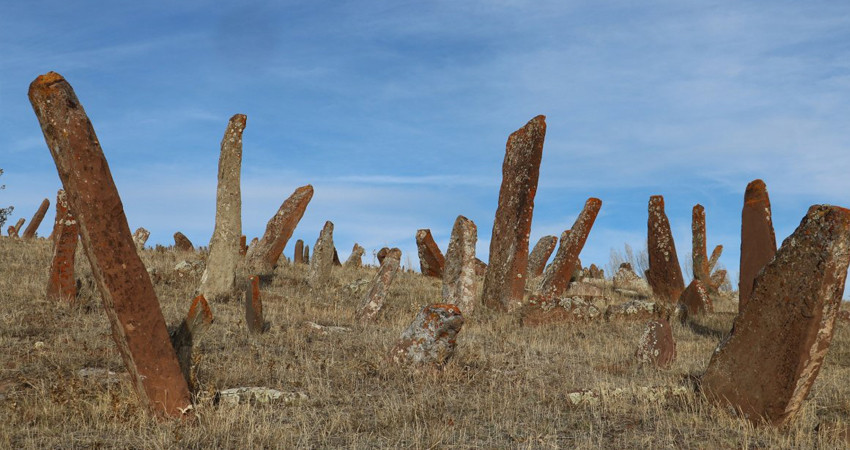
(298, 257)
(138, 326)
(263, 256)
(557, 276)
(29, 232)
(254, 306)
(700, 248)
(758, 243)
(664, 274)
(182, 243)
(431, 259)
(61, 284)
(540, 254)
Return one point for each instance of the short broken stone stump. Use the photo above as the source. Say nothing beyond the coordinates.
(431, 338)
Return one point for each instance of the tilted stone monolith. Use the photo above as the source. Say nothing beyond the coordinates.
(298, 256)
(138, 326)
(323, 255)
(29, 232)
(758, 243)
(431, 260)
(459, 273)
(431, 338)
(715, 257)
(254, 306)
(504, 281)
(700, 248)
(140, 237)
(182, 243)
(556, 277)
(61, 284)
(19, 225)
(355, 259)
(373, 301)
(540, 254)
(218, 281)
(664, 274)
(767, 365)
(263, 256)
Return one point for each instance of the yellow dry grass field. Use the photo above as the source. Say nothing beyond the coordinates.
(506, 387)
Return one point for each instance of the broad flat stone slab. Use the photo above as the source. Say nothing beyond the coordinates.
(664, 274)
(544, 311)
(504, 281)
(767, 365)
(459, 273)
(758, 242)
(263, 256)
(138, 326)
(432, 337)
(431, 260)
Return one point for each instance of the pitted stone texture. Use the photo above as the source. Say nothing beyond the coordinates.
(431, 260)
(227, 242)
(182, 243)
(637, 310)
(767, 365)
(355, 259)
(254, 306)
(758, 242)
(696, 300)
(29, 233)
(656, 345)
(557, 276)
(138, 326)
(298, 256)
(373, 301)
(459, 274)
(263, 256)
(382, 253)
(543, 311)
(140, 237)
(323, 254)
(700, 249)
(431, 338)
(504, 281)
(628, 282)
(61, 284)
(664, 274)
(540, 255)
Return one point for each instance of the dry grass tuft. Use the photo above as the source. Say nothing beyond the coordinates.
(506, 387)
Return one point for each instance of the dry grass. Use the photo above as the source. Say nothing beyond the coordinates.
(506, 386)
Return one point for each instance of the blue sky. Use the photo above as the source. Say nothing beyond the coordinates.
(398, 112)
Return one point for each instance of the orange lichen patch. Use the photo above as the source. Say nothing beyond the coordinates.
(199, 313)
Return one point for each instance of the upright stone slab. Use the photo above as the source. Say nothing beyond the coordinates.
(323, 254)
(767, 365)
(61, 284)
(431, 260)
(138, 326)
(263, 256)
(700, 249)
(182, 243)
(695, 299)
(254, 306)
(664, 274)
(540, 255)
(557, 276)
(459, 272)
(758, 243)
(382, 253)
(432, 337)
(373, 301)
(243, 246)
(12, 231)
(140, 237)
(306, 258)
(355, 259)
(298, 256)
(504, 281)
(219, 279)
(656, 346)
(29, 233)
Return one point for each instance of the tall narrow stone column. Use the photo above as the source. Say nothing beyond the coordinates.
(138, 326)
(459, 273)
(219, 279)
(556, 277)
(700, 249)
(664, 274)
(29, 233)
(504, 281)
(758, 243)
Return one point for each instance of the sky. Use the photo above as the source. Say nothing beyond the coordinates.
(398, 112)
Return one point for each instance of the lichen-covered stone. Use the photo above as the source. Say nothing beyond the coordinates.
(636, 310)
(595, 273)
(227, 242)
(543, 311)
(355, 259)
(431, 260)
(128, 296)
(758, 242)
(540, 254)
(431, 338)
(61, 284)
(628, 282)
(695, 299)
(664, 274)
(182, 243)
(382, 253)
(373, 301)
(323, 254)
(700, 249)
(557, 276)
(29, 232)
(262, 257)
(767, 365)
(656, 345)
(140, 237)
(459, 273)
(504, 281)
